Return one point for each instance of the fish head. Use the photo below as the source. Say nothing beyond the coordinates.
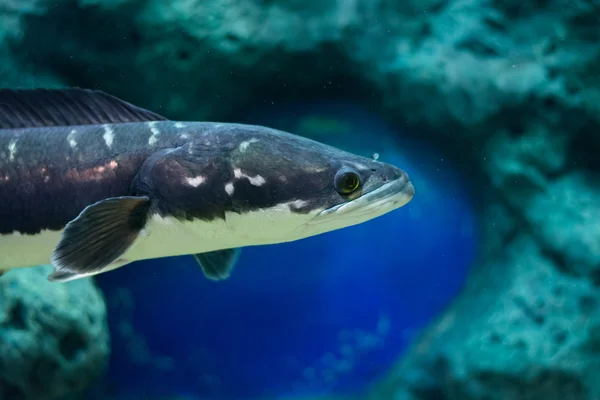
(298, 187)
(361, 189)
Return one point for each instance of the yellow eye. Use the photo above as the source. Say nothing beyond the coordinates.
(346, 181)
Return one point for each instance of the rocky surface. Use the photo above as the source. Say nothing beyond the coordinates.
(522, 329)
(54, 339)
(526, 326)
(511, 88)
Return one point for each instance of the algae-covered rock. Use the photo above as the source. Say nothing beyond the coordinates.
(566, 218)
(15, 74)
(456, 68)
(54, 338)
(515, 87)
(522, 329)
(188, 59)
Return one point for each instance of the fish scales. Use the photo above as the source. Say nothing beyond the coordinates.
(44, 169)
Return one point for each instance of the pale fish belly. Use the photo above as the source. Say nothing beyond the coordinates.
(164, 237)
(17, 250)
(170, 237)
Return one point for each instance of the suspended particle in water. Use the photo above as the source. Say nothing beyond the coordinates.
(375, 156)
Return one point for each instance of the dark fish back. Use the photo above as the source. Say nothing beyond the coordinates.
(64, 149)
(45, 183)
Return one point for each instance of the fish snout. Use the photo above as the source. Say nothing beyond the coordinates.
(409, 189)
(401, 179)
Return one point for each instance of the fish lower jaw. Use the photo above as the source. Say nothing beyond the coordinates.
(336, 222)
(372, 205)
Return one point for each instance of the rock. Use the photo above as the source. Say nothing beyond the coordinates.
(54, 338)
(189, 59)
(566, 218)
(514, 86)
(521, 330)
(470, 62)
(14, 74)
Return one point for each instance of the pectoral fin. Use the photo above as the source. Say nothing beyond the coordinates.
(66, 276)
(94, 241)
(217, 265)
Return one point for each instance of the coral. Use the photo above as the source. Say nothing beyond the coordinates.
(54, 338)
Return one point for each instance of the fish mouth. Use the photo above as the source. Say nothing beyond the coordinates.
(385, 198)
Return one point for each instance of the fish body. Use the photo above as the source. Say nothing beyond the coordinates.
(92, 183)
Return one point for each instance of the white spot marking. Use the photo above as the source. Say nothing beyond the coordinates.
(195, 181)
(184, 136)
(229, 188)
(179, 125)
(155, 132)
(71, 139)
(109, 135)
(12, 149)
(254, 180)
(244, 145)
(298, 203)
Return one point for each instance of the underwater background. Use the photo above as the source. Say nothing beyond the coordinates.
(484, 287)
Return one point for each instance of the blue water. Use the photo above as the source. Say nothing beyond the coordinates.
(328, 313)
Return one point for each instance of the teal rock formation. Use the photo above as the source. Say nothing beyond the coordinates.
(54, 339)
(522, 329)
(517, 87)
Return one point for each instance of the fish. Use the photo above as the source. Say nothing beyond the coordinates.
(90, 183)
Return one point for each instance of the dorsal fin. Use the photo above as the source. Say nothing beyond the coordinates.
(28, 108)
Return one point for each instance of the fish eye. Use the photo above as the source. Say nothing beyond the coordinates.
(346, 181)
